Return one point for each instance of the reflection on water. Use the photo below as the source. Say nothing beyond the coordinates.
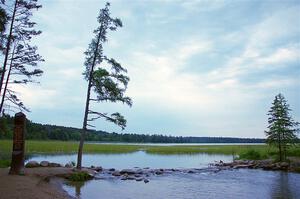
(281, 186)
(231, 184)
(137, 159)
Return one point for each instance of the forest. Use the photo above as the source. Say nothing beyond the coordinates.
(36, 131)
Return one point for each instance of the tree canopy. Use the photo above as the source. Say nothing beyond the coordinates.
(282, 131)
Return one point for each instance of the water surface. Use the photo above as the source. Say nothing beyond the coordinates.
(137, 159)
(233, 184)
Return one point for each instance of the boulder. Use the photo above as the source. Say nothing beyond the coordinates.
(127, 171)
(241, 166)
(53, 164)
(116, 173)
(146, 180)
(284, 164)
(138, 179)
(32, 164)
(98, 169)
(69, 165)
(44, 163)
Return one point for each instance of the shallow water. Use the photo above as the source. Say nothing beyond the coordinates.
(137, 159)
(243, 183)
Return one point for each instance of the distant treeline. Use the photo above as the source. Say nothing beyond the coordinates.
(37, 131)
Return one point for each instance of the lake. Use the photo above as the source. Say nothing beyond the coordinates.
(243, 183)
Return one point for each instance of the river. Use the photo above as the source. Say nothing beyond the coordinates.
(243, 183)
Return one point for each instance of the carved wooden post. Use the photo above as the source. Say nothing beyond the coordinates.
(17, 160)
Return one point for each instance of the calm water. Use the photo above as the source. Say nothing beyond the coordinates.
(232, 184)
(137, 159)
(243, 183)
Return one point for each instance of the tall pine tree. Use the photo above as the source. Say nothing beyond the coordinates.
(20, 58)
(108, 81)
(282, 131)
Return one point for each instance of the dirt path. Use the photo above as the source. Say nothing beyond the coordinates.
(33, 185)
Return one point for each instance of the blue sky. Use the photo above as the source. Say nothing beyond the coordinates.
(197, 68)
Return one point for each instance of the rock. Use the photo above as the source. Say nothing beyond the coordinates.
(147, 168)
(139, 171)
(98, 169)
(69, 165)
(128, 171)
(44, 163)
(53, 164)
(32, 164)
(284, 164)
(112, 169)
(159, 172)
(241, 166)
(116, 173)
(124, 178)
(146, 180)
(137, 175)
(138, 179)
(130, 178)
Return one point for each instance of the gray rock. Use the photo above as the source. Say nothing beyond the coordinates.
(124, 178)
(138, 179)
(53, 164)
(128, 171)
(130, 178)
(69, 165)
(98, 169)
(146, 180)
(32, 164)
(112, 169)
(44, 163)
(116, 173)
(284, 164)
(159, 172)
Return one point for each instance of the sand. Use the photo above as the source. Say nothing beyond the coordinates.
(37, 183)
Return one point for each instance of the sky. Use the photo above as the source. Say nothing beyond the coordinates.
(196, 67)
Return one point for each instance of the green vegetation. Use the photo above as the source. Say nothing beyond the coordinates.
(251, 155)
(79, 176)
(33, 146)
(282, 130)
(68, 147)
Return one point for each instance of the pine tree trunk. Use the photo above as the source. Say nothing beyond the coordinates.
(6, 83)
(8, 46)
(86, 112)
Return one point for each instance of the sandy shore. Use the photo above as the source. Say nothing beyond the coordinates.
(35, 184)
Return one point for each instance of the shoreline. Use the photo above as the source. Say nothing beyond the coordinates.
(36, 183)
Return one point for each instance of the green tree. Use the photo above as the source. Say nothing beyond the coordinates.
(20, 57)
(282, 131)
(109, 82)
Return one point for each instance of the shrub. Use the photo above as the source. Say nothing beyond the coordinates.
(80, 176)
(250, 155)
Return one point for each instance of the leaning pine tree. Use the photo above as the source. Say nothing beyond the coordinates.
(282, 128)
(108, 81)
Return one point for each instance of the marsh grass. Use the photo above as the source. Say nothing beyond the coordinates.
(57, 147)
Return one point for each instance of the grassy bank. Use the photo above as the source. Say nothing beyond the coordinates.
(244, 151)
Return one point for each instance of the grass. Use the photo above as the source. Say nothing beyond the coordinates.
(68, 147)
(56, 147)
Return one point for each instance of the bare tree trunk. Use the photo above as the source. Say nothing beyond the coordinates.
(8, 46)
(86, 112)
(7, 79)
